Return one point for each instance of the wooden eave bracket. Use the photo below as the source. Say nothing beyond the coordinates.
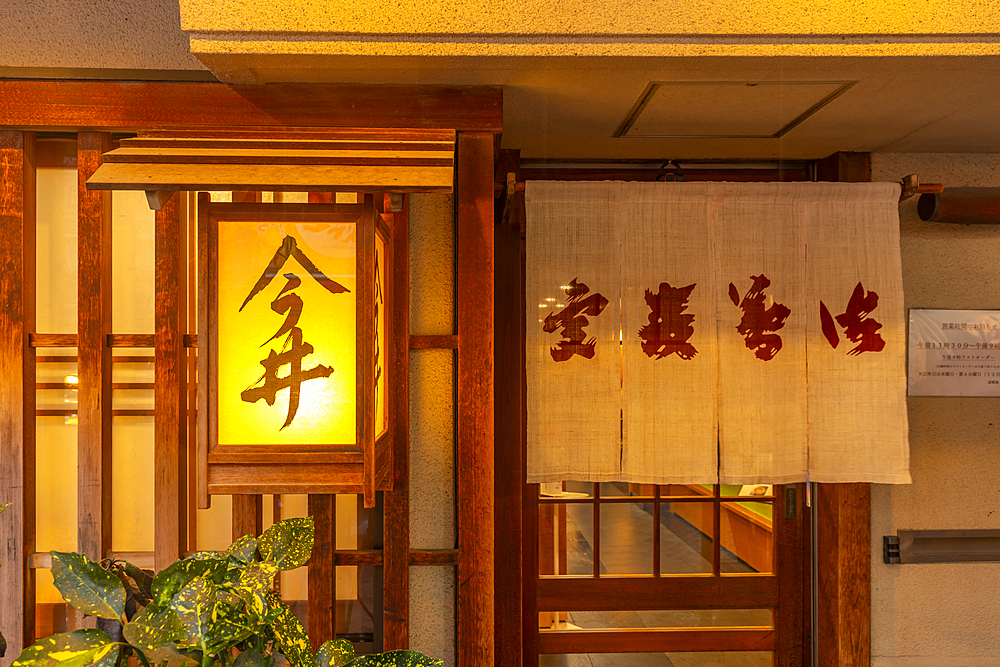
(157, 198)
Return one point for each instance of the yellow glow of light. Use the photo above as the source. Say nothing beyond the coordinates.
(72, 379)
(326, 411)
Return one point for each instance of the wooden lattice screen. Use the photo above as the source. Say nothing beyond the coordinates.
(107, 107)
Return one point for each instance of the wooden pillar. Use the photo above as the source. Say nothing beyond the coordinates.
(94, 354)
(322, 578)
(843, 521)
(395, 568)
(170, 451)
(474, 456)
(248, 515)
(844, 567)
(17, 388)
(508, 410)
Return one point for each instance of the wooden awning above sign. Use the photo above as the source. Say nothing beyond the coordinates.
(355, 160)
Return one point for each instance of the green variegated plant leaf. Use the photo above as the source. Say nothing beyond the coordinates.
(195, 607)
(288, 543)
(153, 627)
(228, 627)
(396, 659)
(335, 653)
(111, 658)
(253, 586)
(143, 578)
(289, 635)
(251, 658)
(169, 656)
(87, 586)
(176, 576)
(67, 649)
(243, 548)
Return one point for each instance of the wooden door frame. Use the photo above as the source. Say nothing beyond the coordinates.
(843, 510)
(475, 112)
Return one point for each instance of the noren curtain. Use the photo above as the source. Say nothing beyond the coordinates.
(744, 333)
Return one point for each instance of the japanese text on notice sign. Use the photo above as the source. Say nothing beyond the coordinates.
(954, 353)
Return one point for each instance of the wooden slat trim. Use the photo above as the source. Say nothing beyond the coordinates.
(434, 342)
(113, 340)
(52, 340)
(474, 432)
(396, 503)
(244, 131)
(108, 105)
(41, 560)
(284, 177)
(169, 449)
(17, 392)
(657, 640)
(234, 142)
(433, 557)
(648, 593)
(73, 413)
(282, 156)
(130, 340)
(94, 320)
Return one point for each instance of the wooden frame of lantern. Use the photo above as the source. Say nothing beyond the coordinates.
(265, 462)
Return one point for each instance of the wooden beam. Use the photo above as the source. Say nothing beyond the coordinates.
(845, 167)
(474, 454)
(322, 578)
(169, 455)
(110, 105)
(844, 567)
(641, 593)
(94, 356)
(17, 388)
(508, 410)
(657, 640)
(396, 572)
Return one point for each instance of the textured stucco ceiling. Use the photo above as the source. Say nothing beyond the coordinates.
(565, 105)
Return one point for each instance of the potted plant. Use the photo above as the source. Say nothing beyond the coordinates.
(211, 609)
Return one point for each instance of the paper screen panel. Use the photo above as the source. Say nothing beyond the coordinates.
(326, 410)
(572, 280)
(857, 389)
(759, 252)
(670, 351)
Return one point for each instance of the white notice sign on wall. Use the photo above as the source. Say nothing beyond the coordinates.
(954, 353)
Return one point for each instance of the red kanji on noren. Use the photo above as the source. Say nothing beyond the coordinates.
(669, 326)
(572, 320)
(858, 326)
(757, 320)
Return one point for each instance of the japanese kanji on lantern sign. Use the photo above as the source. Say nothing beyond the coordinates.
(293, 306)
(715, 332)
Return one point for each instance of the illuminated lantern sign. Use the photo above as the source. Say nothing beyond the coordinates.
(293, 314)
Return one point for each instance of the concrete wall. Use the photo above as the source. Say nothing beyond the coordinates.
(432, 424)
(942, 615)
(97, 34)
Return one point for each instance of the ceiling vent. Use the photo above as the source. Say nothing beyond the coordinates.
(726, 109)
